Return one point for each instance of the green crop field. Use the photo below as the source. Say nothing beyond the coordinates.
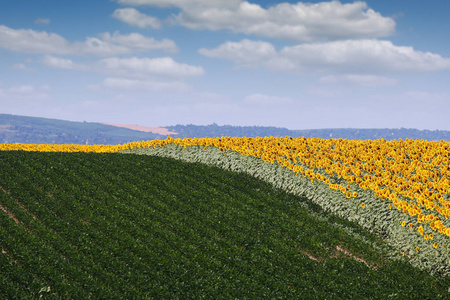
(120, 226)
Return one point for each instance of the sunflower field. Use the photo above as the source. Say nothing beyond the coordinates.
(398, 189)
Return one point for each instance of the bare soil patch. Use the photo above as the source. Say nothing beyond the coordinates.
(157, 130)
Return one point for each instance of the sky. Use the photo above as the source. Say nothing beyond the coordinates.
(298, 65)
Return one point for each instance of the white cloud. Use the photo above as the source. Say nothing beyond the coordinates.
(136, 84)
(62, 63)
(267, 100)
(42, 21)
(297, 22)
(358, 79)
(133, 67)
(98, 47)
(144, 67)
(243, 53)
(31, 41)
(365, 54)
(349, 56)
(133, 17)
(139, 42)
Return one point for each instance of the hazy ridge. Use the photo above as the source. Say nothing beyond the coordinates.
(22, 129)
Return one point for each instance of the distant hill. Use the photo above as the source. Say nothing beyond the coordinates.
(21, 129)
(33, 130)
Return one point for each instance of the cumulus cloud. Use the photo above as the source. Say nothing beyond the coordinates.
(143, 67)
(133, 17)
(133, 67)
(139, 42)
(365, 54)
(31, 41)
(62, 63)
(243, 53)
(297, 22)
(348, 56)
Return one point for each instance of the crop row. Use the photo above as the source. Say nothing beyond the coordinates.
(123, 226)
(377, 183)
(413, 176)
(401, 187)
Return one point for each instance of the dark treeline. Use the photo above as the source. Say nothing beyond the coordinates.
(215, 130)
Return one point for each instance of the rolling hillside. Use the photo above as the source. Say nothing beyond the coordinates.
(32, 130)
(20, 129)
(89, 225)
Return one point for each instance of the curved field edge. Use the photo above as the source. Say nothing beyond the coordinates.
(366, 209)
(86, 225)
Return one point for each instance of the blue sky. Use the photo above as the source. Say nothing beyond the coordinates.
(299, 65)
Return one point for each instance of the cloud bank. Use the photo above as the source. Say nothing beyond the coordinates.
(129, 67)
(349, 56)
(31, 41)
(301, 22)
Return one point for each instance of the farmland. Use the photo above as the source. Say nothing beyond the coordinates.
(265, 217)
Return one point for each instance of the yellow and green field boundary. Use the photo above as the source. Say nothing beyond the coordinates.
(398, 189)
